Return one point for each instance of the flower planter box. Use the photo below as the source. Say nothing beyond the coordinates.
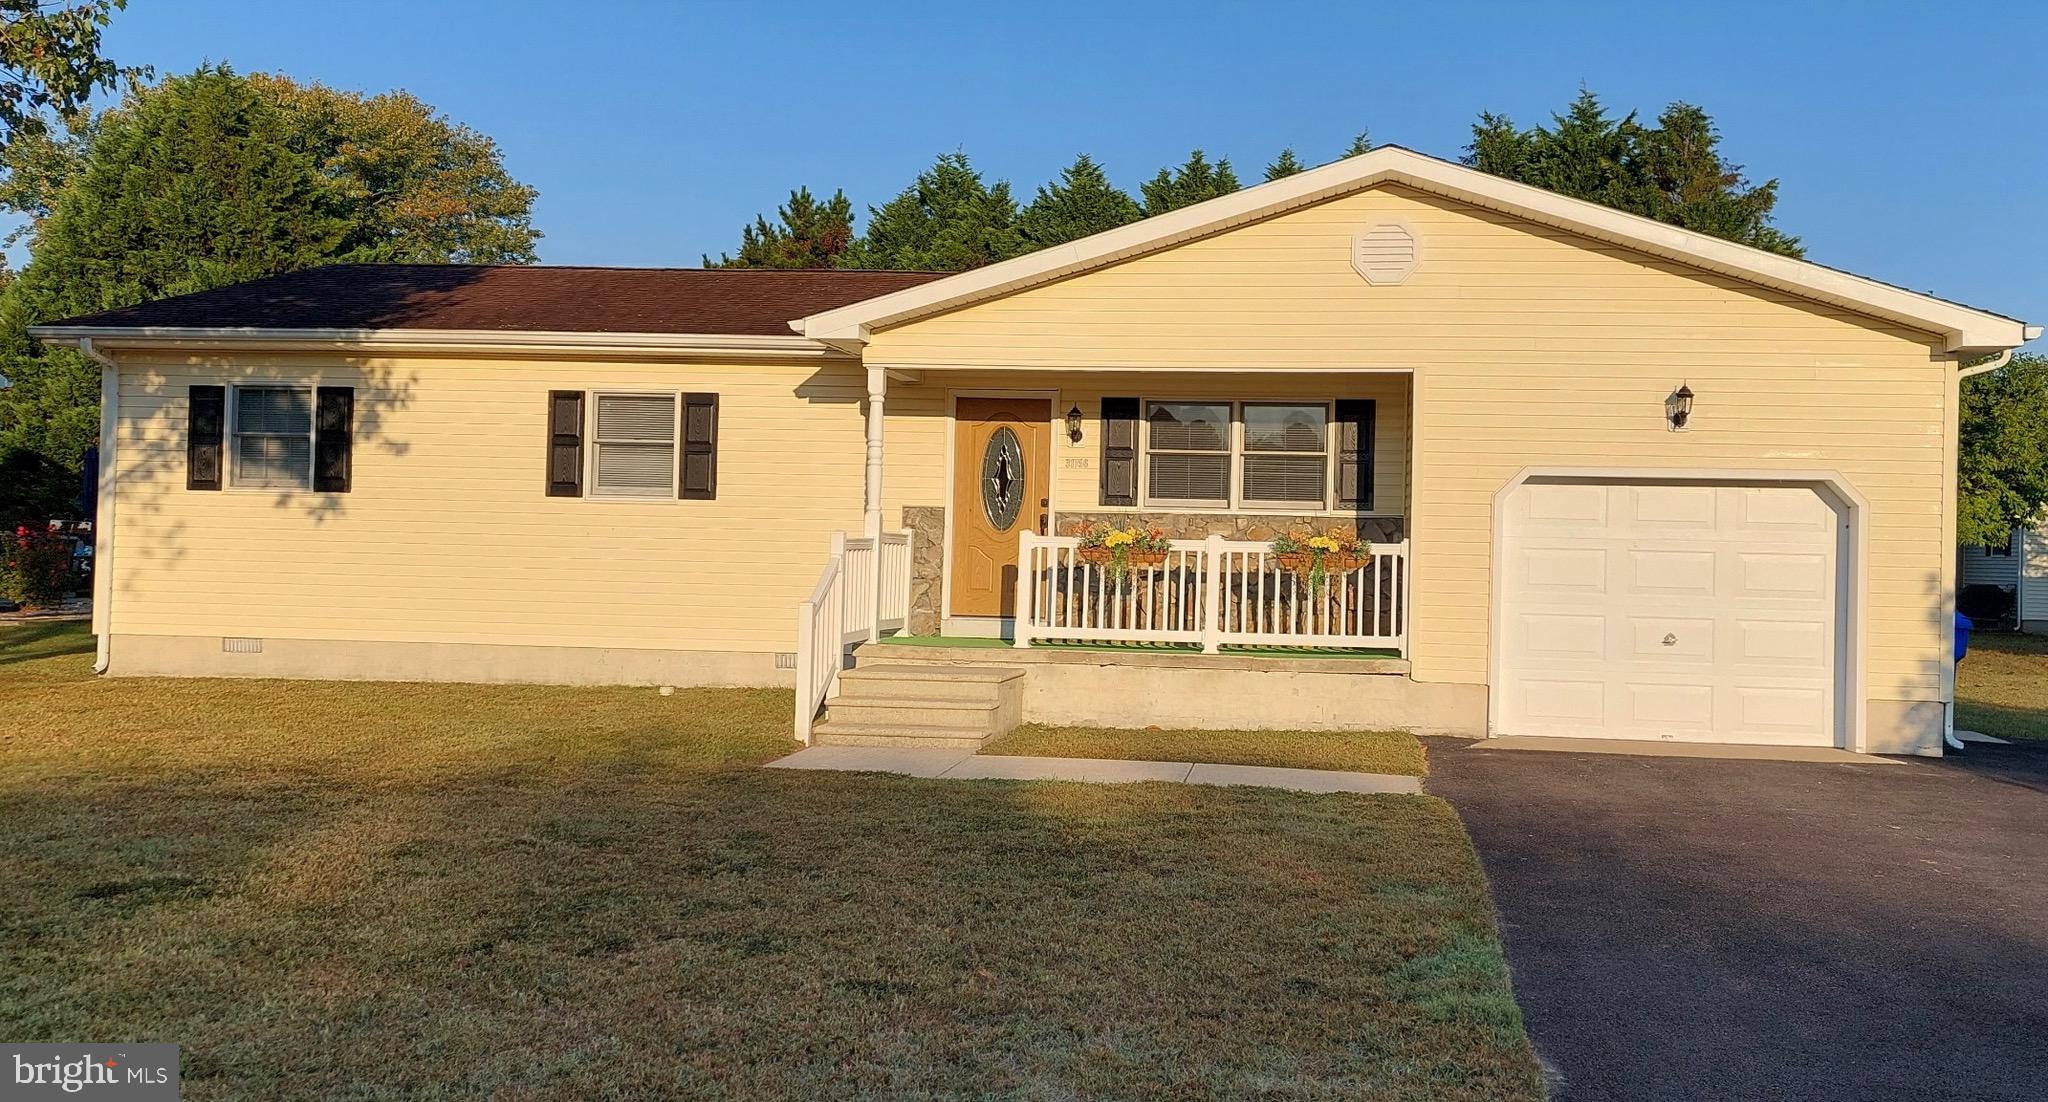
(1104, 556)
(1302, 562)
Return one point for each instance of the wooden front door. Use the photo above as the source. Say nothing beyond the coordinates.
(1000, 487)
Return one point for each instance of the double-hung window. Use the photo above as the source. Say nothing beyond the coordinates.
(1187, 458)
(634, 441)
(273, 437)
(1286, 455)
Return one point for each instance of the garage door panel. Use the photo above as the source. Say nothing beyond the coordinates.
(1556, 707)
(1693, 612)
(1784, 643)
(1560, 636)
(1671, 641)
(1779, 574)
(1671, 507)
(1565, 570)
(1688, 573)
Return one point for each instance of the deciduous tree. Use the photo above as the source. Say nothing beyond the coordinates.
(2002, 465)
(50, 61)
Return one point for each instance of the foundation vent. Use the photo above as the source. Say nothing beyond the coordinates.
(242, 646)
(785, 660)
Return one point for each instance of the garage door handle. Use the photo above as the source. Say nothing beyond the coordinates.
(1670, 640)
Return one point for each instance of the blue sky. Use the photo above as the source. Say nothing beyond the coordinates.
(1911, 139)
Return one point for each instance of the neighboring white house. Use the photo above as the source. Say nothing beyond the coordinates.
(2020, 567)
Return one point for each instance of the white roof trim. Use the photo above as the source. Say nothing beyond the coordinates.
(437, 340)
(1965, 330)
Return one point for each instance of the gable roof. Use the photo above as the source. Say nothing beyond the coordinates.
(482, 298)
(1965, 330)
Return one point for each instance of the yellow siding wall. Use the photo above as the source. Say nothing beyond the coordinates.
(1530, 347)
(448, 535)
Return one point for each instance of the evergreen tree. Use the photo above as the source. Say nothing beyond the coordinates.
(1672, 171)
(1081, 202)
(1286, 164)
(1361, 142)
(1195, 181)
(198, 186)
(806, 234)
(947, 221)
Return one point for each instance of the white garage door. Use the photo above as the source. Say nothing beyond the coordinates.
(1657, 611)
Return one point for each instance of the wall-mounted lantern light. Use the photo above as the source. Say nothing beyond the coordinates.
(1074, 424)
(1678, 407)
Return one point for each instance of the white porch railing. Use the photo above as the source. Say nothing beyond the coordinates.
(1214, 592)
(842, 612)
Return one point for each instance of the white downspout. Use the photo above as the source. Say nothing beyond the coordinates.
(103, 510)
(871, 517)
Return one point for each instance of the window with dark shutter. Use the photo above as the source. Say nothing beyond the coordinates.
(334, 419)
(1354, 453)
(206, 420)
(565, 443)
(1119, 451)
(699, 472)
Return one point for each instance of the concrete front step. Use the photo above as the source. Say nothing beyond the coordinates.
(892, 681)
(922, 736)
(871, 711)
(938, 707)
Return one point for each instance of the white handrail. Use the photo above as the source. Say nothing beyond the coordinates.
(820, 647)
(1214, 592)
(840, 611)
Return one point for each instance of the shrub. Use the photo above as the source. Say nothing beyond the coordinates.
(35, 567)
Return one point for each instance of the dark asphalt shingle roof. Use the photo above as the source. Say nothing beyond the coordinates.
(515, 298)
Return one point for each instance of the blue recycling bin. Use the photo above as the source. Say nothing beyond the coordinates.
(1963, 628)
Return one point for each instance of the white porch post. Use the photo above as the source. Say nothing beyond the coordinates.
(878, 387)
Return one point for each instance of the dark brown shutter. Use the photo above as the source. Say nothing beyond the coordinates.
(206, 417)
(565, 443)
(334, 427)
(1119, 451)
(1354, 453)
(700, 447)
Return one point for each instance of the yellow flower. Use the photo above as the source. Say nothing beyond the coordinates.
(1117, 539)
(1323, 543)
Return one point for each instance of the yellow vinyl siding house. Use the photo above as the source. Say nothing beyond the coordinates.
(1481, 380)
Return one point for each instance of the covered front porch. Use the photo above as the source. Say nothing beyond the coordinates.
(1197, 516)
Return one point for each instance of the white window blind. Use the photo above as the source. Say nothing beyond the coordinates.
(273, 437)
(635, 440)
(1188, 453)
(1286, 453)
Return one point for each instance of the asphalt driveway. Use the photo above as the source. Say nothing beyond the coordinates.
(1689, 929)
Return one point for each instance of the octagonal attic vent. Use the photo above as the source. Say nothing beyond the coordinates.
(1385, 253)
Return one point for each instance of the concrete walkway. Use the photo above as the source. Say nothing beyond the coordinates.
(966, 765)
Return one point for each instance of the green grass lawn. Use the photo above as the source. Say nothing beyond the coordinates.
(2002, 686)
(382, 891)
(1365, 752)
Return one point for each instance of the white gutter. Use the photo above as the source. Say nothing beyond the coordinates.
(103, 509)
(438, 340)
(1992, 364)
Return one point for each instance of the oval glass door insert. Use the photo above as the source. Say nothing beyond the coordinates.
(1002, 479)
